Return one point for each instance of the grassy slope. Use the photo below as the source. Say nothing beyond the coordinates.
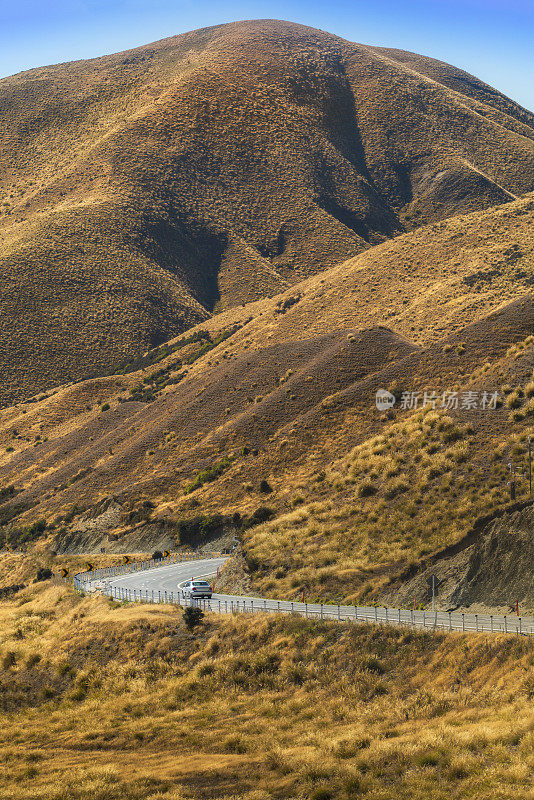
(297, 389)
(104, 702)
(142, 190)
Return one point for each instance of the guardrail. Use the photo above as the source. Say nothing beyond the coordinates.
(433, 620)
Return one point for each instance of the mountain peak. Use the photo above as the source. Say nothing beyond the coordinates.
(144, 191)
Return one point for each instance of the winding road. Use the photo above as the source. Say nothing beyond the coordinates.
(161, 584)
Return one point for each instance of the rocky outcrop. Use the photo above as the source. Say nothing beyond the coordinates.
(494, 571)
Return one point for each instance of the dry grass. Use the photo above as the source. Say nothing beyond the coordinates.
(106, 701)
(408, 492)
(347, 517)
(65, 456)
(143, 190)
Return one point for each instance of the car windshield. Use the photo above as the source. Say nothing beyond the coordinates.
(200, 583)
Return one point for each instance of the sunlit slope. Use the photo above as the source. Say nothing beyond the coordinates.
(106, 700)
(273, 405)
(139, 192)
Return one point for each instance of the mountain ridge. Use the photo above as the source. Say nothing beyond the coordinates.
(280, 394)
(145, 191)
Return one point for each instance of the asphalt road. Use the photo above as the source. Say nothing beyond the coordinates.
(162, 584)
(163, 579)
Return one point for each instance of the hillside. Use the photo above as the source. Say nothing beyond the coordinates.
(143, 191)
(262, 422)
(109, 701)
(493, 566)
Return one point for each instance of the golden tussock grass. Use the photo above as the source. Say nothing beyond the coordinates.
(314, 436)
(107, 701)
(401, 495)
(144, 190)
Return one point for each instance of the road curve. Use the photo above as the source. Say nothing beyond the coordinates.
(163, 579)
(162, 584)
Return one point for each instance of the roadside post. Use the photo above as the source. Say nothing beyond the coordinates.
(434, 582)
(530, 465)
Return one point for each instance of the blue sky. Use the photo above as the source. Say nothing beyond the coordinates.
(493, 39)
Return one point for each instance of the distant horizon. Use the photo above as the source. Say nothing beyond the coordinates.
(486, 39)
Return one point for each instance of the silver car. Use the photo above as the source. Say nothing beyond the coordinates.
(197, 588)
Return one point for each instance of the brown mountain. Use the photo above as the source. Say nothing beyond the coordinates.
(269, 408)
(143, 191)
